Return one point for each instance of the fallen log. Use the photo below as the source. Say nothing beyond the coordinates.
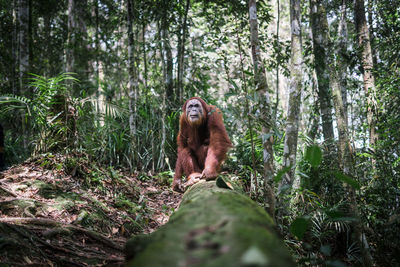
(213, 226)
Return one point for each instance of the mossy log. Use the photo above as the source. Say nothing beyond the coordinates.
(213, 226)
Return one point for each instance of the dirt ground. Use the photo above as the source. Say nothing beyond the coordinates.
(55, 215)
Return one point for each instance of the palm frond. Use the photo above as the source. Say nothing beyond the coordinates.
(15, 102)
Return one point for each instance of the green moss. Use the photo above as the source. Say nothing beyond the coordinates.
(212, 227)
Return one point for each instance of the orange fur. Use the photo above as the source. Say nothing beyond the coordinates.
(201, 147)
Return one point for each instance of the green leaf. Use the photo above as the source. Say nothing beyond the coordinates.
(299, 226)
(280, 173)
(227, 95)
(234, 84)
(248, 73)
(347, 179)
(313, 155)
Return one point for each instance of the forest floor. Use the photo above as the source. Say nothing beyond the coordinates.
(56, 211)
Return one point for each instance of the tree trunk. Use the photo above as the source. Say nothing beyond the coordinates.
(341, 52)
(163, 107)
(265, 108)
(324, 95)
(345, 151)
(76, 51)
(213, 226)
(15, 44)
(278, 8)
(23, 59)
(295, 88)
(71, 37)
(145, 78)
(367, 64)
(181, 54)
(314, 125)
(168, 63)
(133, 79)
(98, 67)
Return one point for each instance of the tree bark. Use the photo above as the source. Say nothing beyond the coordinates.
(23, 59)
(213, 226)
(181, 54)
(295, 88)
(168, 64)
(14, 49)
(345, 150)
(320, 53)
(133, 79)
(163, 107)
(265, 108)
(71, 37)
(368, 66)
(341, 52)
(277, 63)
(76, 49)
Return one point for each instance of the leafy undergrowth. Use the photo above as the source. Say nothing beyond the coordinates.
(58, 211)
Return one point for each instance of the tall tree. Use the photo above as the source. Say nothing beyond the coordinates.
(14, 48)
(71, 37)
(321, 68)
(338, 80)
(278, 15)
(23, 58)
(167, 61)
(181, 52)
(164, 96)
(76, 51)
(132, 72)
(341, 52)
(318, 12)
(368, 66)
(295, 88)
(265, 108)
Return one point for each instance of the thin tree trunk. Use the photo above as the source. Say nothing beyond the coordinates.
(144, 54)
(133, 79)
(277, 62)
(47, 32)
(70, 59)
(98, 67)
(161, 161)
(95, 13)
(168, 61)
(295, 88)
(14, 48)
(324, 95)
(253, 180)
(265, 108)
(181, 54)
(367, 64)
(76, 50)
(371, 29)
(342, 53)
(23, 59)
(313, 127)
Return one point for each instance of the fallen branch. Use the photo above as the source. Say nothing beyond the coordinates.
(7, 190)
(53, 223)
